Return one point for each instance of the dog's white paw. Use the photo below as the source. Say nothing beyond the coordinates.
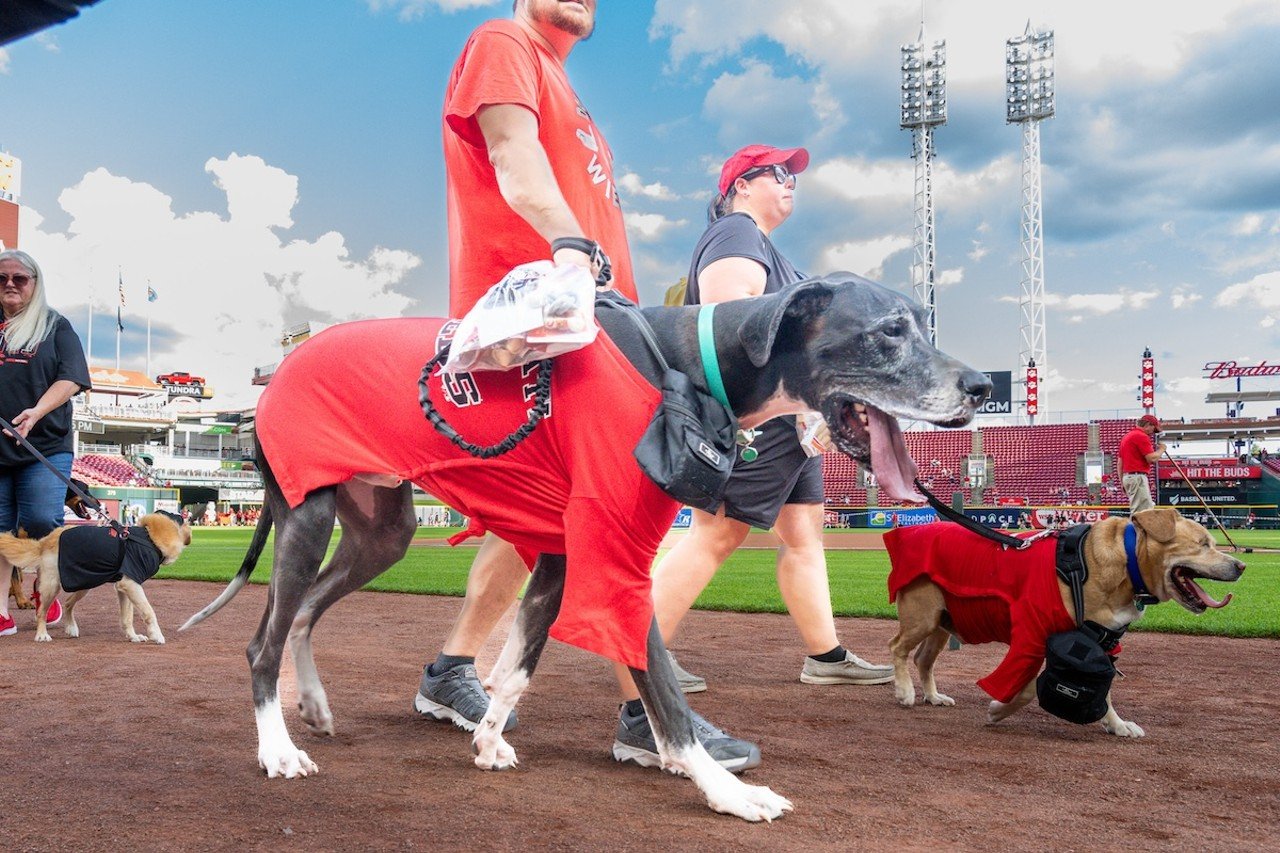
(72, 630)
(494, 753)
(43, 637)
(1124, 728)
(906, 698)
(289, 763)
(750, 802)
(137, 638)
(157, 638)
(997, 711)
(939, 699)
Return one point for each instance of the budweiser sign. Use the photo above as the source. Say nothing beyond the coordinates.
(1234, 370)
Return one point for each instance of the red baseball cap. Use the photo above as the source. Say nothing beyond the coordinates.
(1151, 421)
(745, 159)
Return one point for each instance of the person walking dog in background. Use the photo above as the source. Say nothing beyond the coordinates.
(1136, 456)
(42, 366)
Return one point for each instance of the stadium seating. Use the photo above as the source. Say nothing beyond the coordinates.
(101, 469)
(1037, 462)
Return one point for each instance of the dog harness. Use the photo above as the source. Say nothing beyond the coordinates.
(572, 487)
(89, 556)
(992, 593)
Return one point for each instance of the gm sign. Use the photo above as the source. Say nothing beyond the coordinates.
(1001, 400)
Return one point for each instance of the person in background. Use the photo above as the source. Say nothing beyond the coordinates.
(775, 484)
(42, 366)
(1136, 455)
(525, 165)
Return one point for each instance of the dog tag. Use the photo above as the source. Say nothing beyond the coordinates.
(749, 454)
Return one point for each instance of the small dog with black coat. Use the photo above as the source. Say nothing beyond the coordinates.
(77, 559)
(76, 505)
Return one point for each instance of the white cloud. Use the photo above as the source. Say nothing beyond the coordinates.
(1247, 226)
(950, 278)
(635, 185)
(978, 252)
(4, 61)
(1184, 297)
(648, 227)
(1075, 306)
(412, 9)
(1262, 291)
(759, 106)
(226, 285)
(864, 257)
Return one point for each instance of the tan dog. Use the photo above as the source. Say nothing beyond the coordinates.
(96, 554)
(74, 503)
(1172, 553)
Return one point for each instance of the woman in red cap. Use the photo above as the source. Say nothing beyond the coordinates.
(775, 484)
(1136, 456)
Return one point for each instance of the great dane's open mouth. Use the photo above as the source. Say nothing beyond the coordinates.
(872, 436)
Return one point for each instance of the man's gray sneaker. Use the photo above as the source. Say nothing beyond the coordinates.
(635, 742)
(851, 670)
(455, 695)
(689, 683)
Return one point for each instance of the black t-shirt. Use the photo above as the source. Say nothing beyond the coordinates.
(736, 236)
(24, 378)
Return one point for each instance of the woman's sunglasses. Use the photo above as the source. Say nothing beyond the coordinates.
(19, 280)
(779, 172)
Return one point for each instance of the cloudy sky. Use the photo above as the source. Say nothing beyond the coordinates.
(264, 163)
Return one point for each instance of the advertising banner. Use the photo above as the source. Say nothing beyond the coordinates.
(1007, 517)
(1211, 469)
(894, 517)
(1173, 496)
(684, 518)
(1051, 519)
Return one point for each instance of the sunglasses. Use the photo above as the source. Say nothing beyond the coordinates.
(19, 280)
(779, 172)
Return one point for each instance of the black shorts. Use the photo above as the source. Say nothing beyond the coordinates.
(781, 474)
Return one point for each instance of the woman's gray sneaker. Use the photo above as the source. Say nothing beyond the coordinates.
(851, 670)
(635, 743)
(689, 683)
(455, 695)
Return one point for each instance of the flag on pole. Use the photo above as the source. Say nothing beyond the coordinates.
(120, 307)
(151, 293)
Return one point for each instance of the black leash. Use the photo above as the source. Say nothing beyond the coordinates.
(89, 500)
(971, 525)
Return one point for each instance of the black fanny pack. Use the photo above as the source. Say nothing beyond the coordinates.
(1077, 677)
(688, 448)
(1078, 669)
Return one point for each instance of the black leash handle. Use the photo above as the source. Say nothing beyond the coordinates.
(971, 525)
(541, 405)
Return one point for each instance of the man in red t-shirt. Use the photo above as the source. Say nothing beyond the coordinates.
(525, 165)
(1136, 456)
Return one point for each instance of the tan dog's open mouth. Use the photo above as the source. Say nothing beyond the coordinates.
(1190, 595)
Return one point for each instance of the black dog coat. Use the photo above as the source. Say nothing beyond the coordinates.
(90, 556)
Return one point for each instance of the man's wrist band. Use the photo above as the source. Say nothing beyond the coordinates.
(590, 248)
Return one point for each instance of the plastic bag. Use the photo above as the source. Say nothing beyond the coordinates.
(814, 435)
(537, 311)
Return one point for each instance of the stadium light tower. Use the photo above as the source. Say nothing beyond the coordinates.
(924, 107)
(1029, 90)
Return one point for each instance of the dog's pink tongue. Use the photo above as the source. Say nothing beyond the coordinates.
(1207, 600)
(891, 463)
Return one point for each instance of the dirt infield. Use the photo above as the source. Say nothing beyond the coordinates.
(114, 746)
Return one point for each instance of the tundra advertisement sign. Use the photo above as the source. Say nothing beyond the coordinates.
(1001, 400)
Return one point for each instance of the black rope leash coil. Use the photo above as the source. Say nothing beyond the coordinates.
(541, 405)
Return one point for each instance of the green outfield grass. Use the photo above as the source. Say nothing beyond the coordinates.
(747, 583)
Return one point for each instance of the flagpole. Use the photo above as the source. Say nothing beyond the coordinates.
(89, 346)
(149, 301)
(119, 321)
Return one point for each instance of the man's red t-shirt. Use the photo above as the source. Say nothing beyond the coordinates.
(502, 64)
(1134, 449)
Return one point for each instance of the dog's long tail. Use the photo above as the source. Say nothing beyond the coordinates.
(242, 577)
(23, 553)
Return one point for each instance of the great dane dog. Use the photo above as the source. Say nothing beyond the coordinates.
(340, 431)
